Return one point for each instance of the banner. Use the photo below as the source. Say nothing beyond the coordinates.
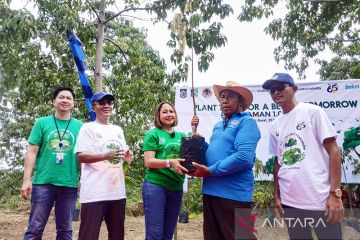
(339, 99)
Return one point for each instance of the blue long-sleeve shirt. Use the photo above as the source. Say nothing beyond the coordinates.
(230, 157)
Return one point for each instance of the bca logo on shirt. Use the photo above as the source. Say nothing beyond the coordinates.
(183, 93)
(332, 88)
(300, 126)
(206, 92)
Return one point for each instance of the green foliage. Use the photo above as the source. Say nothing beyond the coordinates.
(134, 179)
(308, 28)
(11, 180)
(14, 204)
(35, 58)
(349, 150)
(339, 68)
(202, 29)
(192, 200)
(10, 183)
(135, 74)
(259, 168)
(263, 195)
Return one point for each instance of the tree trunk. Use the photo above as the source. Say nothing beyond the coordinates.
(99, 48)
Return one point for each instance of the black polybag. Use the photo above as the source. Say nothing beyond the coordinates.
(192, 150)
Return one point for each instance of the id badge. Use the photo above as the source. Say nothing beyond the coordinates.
(59, 158)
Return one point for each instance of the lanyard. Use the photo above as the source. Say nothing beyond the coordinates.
(61, 138)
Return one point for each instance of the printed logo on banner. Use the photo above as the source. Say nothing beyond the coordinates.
(195, 92)
(207, 92)
(183, 93)
(352, 86)
(332, 87)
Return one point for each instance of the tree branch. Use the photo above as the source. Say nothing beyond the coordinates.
(341, 40)
(142, 19)
(93, 9)
(325, 1)
(26, 4)
(137, 8)
(109, 84)
(125, 10)
(118, 46)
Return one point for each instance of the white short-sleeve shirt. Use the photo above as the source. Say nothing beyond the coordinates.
(296, 138)
(101, 181)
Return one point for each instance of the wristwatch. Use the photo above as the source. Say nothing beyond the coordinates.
(167, 164)
(337, 192)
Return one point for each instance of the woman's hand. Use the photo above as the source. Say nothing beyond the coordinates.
(176, 165)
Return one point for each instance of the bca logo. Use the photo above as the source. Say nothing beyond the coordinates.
(300, 126)
(183, 93)
(206, 92)
(332, 88)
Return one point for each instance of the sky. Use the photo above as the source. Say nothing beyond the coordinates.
(247, 58)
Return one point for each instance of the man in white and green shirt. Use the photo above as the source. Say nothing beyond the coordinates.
(307, 169)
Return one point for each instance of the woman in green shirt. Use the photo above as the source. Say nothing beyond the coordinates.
(164, 178)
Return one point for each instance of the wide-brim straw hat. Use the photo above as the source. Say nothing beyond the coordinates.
(235, 87)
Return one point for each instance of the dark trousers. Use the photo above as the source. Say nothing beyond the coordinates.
(300, 222)
(92, 215)
(223, 219)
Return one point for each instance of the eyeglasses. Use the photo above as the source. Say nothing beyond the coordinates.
(278, 88)
(103, 103)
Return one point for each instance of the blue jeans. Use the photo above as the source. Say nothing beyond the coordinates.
(161, 208)
(42, 200)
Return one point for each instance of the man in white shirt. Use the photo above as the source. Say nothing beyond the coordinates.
(101, 148)
(307, 169)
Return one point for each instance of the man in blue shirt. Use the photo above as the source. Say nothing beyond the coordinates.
(228, 176)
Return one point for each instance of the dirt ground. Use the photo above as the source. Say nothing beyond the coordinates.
(13, 226)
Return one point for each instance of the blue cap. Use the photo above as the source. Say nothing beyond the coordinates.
(279, 77)
(101, 95)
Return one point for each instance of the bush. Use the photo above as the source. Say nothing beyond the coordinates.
(263, 195)
(10, 182)
(192, 200)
